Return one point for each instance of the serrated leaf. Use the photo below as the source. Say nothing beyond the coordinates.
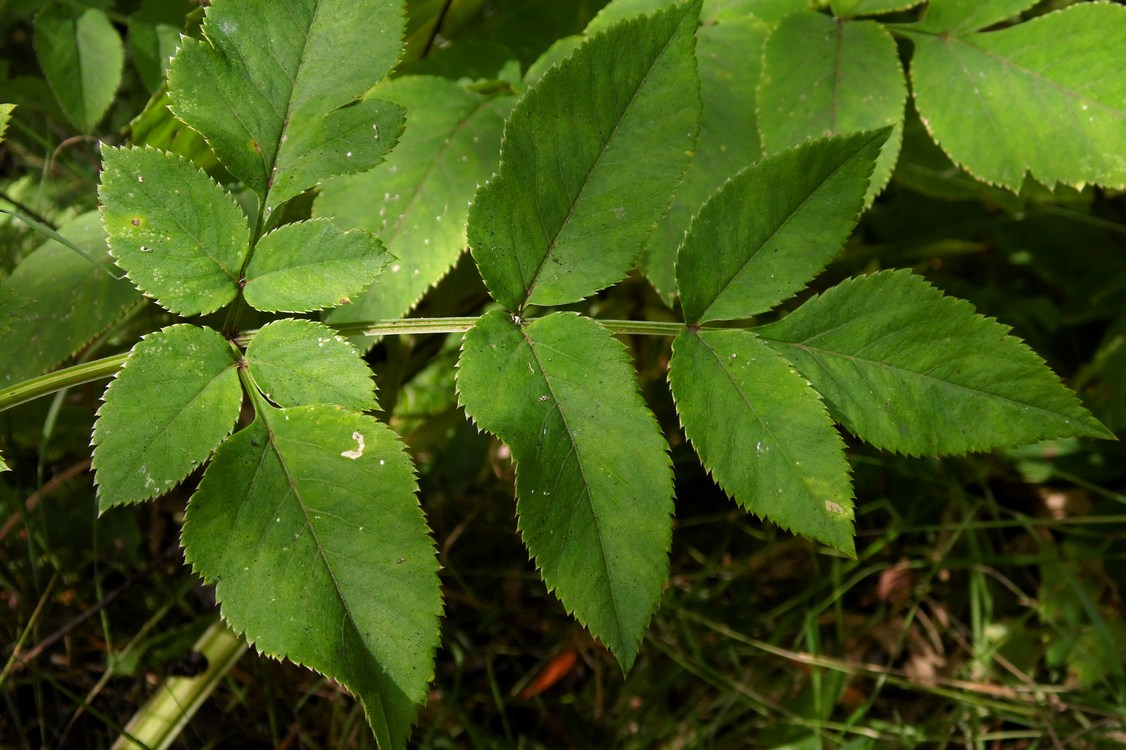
(763, 433)
(591, 157)
(850, 8)
(908, 369)
(311, 265)
(823, 76)
(300, 362)
(1041, 98)
(82, 56)
(62, 302)
(771, 228)
(961, 16)
(154, 35)
(593, 483)
(5, 115)
(418, 200)
(4, 464)
(308, 524)
(174, 400)
(179, 236)
(274, 106)
(728, 55)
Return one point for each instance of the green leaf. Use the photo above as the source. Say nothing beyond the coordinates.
(763, 433)
(418, 200)
(179, 236)
(300, 362)
(851, 8)
(11, 305)
(311, 265)
(174, 400)
(5, 115)
(824, 76)
(4, 465)
(593, 481)
(1041, 98)
(308, 524)
(961, 16)
(728, 54)
(273, 106)
(82, 56)
(908, 369)
(773, 227)
(157, 127)
(61, 302)
(154, 35)
(591, 156)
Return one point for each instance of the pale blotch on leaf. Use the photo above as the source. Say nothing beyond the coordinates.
(359, 451)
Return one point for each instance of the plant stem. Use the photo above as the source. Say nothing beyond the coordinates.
(88, 372)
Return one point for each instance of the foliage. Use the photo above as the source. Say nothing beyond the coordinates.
(323, 171)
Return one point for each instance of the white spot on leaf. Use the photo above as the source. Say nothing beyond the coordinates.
(359, 451)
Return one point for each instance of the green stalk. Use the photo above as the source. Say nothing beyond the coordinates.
(106, 367)
(160, 721)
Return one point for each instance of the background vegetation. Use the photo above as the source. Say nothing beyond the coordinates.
(984, 608)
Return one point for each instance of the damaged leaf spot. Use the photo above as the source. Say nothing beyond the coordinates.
(359, 451)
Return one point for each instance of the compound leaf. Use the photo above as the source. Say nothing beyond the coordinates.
(593, 482)
(1040, 98)
(273, 105)
(961, 16)
(308, 524)
(174, 400)
(418, 200)
(591, 157)
(179, 236)
(763, 433)
(771, 228)
(301, 362)
(61, 301)
(823, 76)
(908, 369)
(311, 265)
(82, 57)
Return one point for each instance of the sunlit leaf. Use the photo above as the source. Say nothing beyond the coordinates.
(770, 229)
(311, 265)
(591, 157)
(910, 370)
(179, 236)
(82, 56)
(5, 115)
(300, 362)
(1040, 98)
(308, 524)
(593, 483)
(273, 106)
(417, 201)
(175, 399)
